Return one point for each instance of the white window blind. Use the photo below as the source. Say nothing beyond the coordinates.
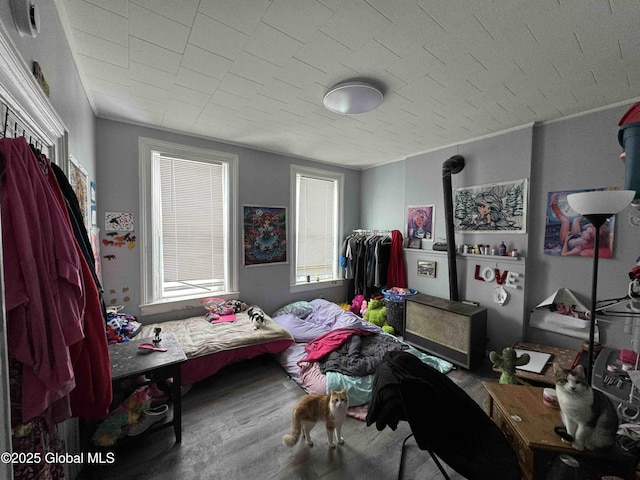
(191, 223)
(187, 230)
(316, 227)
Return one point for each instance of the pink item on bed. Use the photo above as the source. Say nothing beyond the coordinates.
(225, 318)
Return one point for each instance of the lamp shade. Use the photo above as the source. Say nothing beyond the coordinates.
(600, 202)
(353, 97)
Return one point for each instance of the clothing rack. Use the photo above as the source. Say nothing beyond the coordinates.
(361, 231)
(13, 126)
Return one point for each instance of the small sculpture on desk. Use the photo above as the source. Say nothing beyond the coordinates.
(156, 338)
(507, 363)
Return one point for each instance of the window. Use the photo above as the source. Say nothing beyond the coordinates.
(317, 204)
(187, 200)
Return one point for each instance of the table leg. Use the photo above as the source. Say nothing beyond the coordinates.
(177, 404)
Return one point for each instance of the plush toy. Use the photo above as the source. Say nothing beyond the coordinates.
(364, 308)
(507, 363)
(356, 304)
(377, 314)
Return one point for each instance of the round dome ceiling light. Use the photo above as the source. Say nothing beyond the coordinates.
(350, 98)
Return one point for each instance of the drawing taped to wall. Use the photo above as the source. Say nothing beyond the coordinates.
(491, 208)
(569, 234)
(118, 222)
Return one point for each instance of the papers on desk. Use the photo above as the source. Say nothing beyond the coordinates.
(537, 361)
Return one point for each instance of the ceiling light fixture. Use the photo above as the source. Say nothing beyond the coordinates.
(350, 98)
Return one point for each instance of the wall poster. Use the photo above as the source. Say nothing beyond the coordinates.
(79, 180)
(420, 222)
(265, 235)
(491, 208)
(569, 234)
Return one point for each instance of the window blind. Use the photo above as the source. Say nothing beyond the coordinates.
(316, 231)
(192, 225)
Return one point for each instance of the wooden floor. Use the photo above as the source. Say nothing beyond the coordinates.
(233, 425)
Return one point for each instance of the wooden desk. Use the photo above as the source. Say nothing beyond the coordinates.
(129, 362)
(529, 426)
(565, 356)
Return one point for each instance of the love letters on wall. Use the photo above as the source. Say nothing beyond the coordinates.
(505, 278)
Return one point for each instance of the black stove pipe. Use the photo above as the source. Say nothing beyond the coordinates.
(451, 166)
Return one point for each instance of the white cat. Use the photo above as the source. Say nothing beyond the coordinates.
(588, 415)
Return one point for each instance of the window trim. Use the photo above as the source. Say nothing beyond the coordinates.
(146, 146)
(327, 175)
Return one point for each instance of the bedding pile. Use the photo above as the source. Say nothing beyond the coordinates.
(336, 349)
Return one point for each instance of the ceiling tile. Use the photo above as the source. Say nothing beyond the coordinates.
(154, 28)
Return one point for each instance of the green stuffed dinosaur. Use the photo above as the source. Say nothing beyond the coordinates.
(377, 314)
(507, 363)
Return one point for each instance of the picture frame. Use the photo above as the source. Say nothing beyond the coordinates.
(420, 222)
(427, 268)
(415, 243)
(79, 180)
(491, 208)
(264, 235)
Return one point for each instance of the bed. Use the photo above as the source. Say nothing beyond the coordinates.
(211, 346)
(329, 341)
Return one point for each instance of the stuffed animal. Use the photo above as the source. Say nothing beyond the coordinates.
(364, 308)
(507, 363)
(356, 304)
(377, 314)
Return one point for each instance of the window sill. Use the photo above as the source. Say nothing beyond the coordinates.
(183, 303)
(305, 287)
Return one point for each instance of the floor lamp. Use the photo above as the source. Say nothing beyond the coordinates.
(597, 206)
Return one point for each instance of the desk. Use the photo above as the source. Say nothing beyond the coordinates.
(529, 426)
(128, 362)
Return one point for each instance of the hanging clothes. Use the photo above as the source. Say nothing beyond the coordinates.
(53, 308)
(397, 275)
(365, 257)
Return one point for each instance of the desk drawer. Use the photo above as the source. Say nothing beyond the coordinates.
(525, 454)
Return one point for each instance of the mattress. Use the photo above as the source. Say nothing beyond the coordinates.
(211, 346)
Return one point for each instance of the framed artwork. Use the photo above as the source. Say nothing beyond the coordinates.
(79, 180)
(491, 208)
(427, 268)
(264, 235)
(420, 222)
(415, 243)
(569, 234)
(93, 192)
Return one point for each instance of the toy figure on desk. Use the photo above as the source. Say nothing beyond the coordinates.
(156, 338)
(507, 363)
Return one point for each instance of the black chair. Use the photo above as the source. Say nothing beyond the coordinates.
(444, 420)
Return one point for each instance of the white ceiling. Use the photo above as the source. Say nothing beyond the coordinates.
(254, 72)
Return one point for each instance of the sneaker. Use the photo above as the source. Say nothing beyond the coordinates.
(148, 418)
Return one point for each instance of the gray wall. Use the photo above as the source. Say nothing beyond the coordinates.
(575, 153)
(263, 179)
(490, 160)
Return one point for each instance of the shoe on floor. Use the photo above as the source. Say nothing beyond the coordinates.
(148, 418)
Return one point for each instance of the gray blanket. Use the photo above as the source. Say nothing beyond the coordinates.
(360, 355)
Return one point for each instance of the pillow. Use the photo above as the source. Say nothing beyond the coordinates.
(302, 332)
(300, 309)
